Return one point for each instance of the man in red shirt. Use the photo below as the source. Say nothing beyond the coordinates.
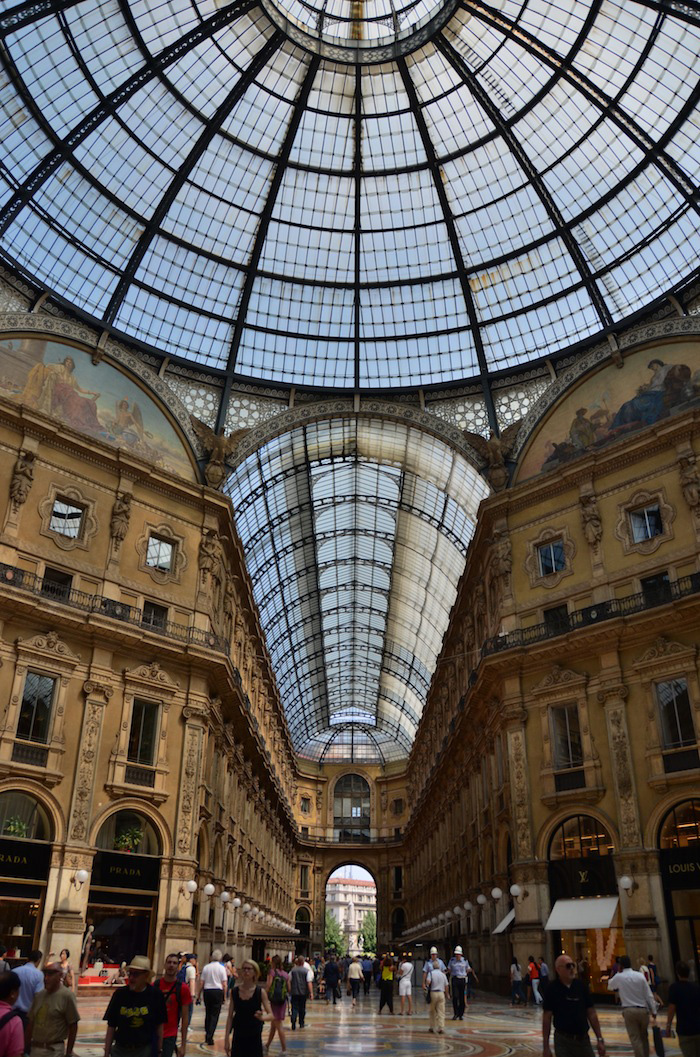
(178, 1004)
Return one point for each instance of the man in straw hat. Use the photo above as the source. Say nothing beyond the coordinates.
(135, 1015)
(52, 1021)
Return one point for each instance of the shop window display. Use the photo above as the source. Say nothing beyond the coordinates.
(25, 851)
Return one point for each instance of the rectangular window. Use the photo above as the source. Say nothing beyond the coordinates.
(676, 717)
(556, 619)
(305, 805)
(56, 584)
(567, 751)
(154, 616)
(646, 523)
(159, 554)
(551, 557)
(35, 710)
(304, 878)
(66, 518)
(398, 879)
(656, 590)
(142, 737)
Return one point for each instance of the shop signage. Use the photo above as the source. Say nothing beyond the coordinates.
(572, 878)
(680, 867)
(121, 870)
(24, 859)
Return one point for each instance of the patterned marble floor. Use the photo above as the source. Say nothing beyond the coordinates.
(491, 1028)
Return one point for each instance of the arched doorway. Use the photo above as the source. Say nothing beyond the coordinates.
(351, 911)
(25, 855)
(679, 848)
(123, 891)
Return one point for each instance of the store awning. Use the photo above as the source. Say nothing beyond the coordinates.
(582, 913)
(507, 920)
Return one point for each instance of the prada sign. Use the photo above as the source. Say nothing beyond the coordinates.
(680, 868)
(113, 869)
(24, 859)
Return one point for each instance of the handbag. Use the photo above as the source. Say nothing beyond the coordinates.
(658, 1040)
(427, 995)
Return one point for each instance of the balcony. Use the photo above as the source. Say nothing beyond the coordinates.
(582, 618)
(29, 583)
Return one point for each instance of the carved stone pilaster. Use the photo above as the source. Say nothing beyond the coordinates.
(613, 696)
(96, 697)
(517, 756)
(188, 814)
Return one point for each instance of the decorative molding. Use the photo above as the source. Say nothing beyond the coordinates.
(151, 677)
(49, 648)
(623, 528)
(560, 679)
(532, 564)
(665, 650)
(89, 524)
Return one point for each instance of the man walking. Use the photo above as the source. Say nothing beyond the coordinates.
(300, 989)
(437, 985)
(178, 1005)
(684, 1001)
(428, 964)
(52, 1021)
(367, 974)
(135, 1015)
(212, 982)
(568, 1001)
(331, 975)
(637, 1004)
(31, 980)
(458, 968)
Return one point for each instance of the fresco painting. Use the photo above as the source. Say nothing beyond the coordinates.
(96, 399)
(613, 403)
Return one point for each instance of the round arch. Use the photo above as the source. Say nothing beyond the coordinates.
(657, 816)
(140, 808)
(555, 820)
(44, 798)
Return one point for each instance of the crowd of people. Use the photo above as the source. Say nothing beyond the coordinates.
(149, 1016)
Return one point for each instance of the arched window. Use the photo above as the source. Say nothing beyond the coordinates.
(580, 837)
(351, 809)
(130, 832)
(681, 826)
(22, 816)
(303, 922)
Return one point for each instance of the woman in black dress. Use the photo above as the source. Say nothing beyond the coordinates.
(248, 1008)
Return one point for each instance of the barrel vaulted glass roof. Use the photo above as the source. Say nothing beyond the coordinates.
(355, 533)
(352, 193)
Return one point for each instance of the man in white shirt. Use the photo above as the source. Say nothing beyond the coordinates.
(191, 972)
(637, 1004)
(458, 968)
(212, 982)
(428, 963)
(437, 982)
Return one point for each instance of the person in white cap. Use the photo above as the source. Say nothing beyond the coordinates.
(458, 968)
(428, 964)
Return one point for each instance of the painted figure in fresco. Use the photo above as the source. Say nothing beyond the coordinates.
(128, 421)
(52, 388)
(664, 390)
(582, 432)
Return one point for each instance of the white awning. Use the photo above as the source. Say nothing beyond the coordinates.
(582, 913)
(503, 925)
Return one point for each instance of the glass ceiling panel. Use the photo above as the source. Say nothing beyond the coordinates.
(354, 616)
(398, 194)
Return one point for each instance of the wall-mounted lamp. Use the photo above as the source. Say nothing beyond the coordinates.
(481, 899)
(518, 893)
(456, 911)
(496, 894)
(79, 878)
(235, 902)
(190, 887)
(628, 885)
(247, 908)
(468, 906)
(208, 890)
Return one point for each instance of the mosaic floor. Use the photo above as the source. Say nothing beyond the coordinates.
(490, 1029)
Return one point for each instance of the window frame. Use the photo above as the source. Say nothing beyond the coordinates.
(72, 507)
(153, 708)
(161, 541)
(567, 709)
(51, 711)
(557, 556)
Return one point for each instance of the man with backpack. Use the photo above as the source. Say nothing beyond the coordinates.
(178, 1005)
(11, 1024)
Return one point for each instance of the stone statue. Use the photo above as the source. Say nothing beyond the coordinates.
(590, 519)
(22, 478)
(690, 481)
(211, 555)
(219, 447)
(495, 451)
(121, 514)
(502, 554)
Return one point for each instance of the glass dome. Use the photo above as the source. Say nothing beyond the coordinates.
(355, 194)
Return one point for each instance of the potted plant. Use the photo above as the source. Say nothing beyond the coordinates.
(15, 827)
(129, 839)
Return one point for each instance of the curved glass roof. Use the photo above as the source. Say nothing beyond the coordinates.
(355, 533)
(352, 193)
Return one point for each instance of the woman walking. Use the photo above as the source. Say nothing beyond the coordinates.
(248, 1007)
(355, 978)
(277, 991)
(386, 984)
(516, 984)
(405, 984)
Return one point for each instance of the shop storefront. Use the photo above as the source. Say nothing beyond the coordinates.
(679, 862)
(585, 919)
(123, 891)
(25, 855)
